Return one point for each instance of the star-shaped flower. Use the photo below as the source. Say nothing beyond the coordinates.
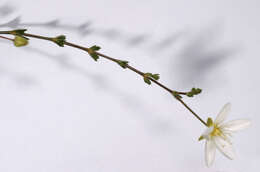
(218, 133)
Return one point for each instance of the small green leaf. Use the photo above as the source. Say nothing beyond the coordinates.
(59, 40)
(122, 63)
(176, 95)
(147, 81)
(95, 48)
(148, 76)
(198, 91)
(94, 56)
(18, 32)
(20, 41)
(92, 52)
(193, 91)
(209, 122)
(189, 94)
(156, 76)
(201, 138)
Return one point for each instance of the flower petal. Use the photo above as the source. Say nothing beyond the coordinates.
(224, 147)
(210, 151)
(236, 125)
(223, 113)
(206, 133)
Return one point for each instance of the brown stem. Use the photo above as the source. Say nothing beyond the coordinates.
(116, 61)
(6, 38)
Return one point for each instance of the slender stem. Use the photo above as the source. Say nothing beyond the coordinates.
(4, 32)
(38, 36)
(197, 116)
(6, 38)
(116, 61)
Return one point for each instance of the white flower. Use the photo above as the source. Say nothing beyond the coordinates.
(218, 133)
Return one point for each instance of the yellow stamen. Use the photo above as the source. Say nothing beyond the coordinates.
(216, 131)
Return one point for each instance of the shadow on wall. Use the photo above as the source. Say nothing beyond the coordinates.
(84, 29)
(201, 59)
(22, 80)
(197, 61)
(153, 121)
(6, 10)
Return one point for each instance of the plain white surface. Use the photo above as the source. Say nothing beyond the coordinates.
(63, 112)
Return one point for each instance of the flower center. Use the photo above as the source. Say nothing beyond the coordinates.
(216, 131)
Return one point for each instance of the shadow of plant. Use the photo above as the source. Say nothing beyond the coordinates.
(87, 28)
(200, 59)
(6, 10)
(194, 63)
(22, 80)
(152, 120)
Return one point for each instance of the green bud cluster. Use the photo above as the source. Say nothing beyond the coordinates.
(18, 32)
(20, 41)
(122, 63)
(148, 76)
(59, 40)
(176, 95)
(209, 122)
(193, 92)
(92, 52)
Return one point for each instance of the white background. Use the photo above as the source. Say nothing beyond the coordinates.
(63, 112)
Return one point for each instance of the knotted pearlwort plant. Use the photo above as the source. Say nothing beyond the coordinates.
(217, 133)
